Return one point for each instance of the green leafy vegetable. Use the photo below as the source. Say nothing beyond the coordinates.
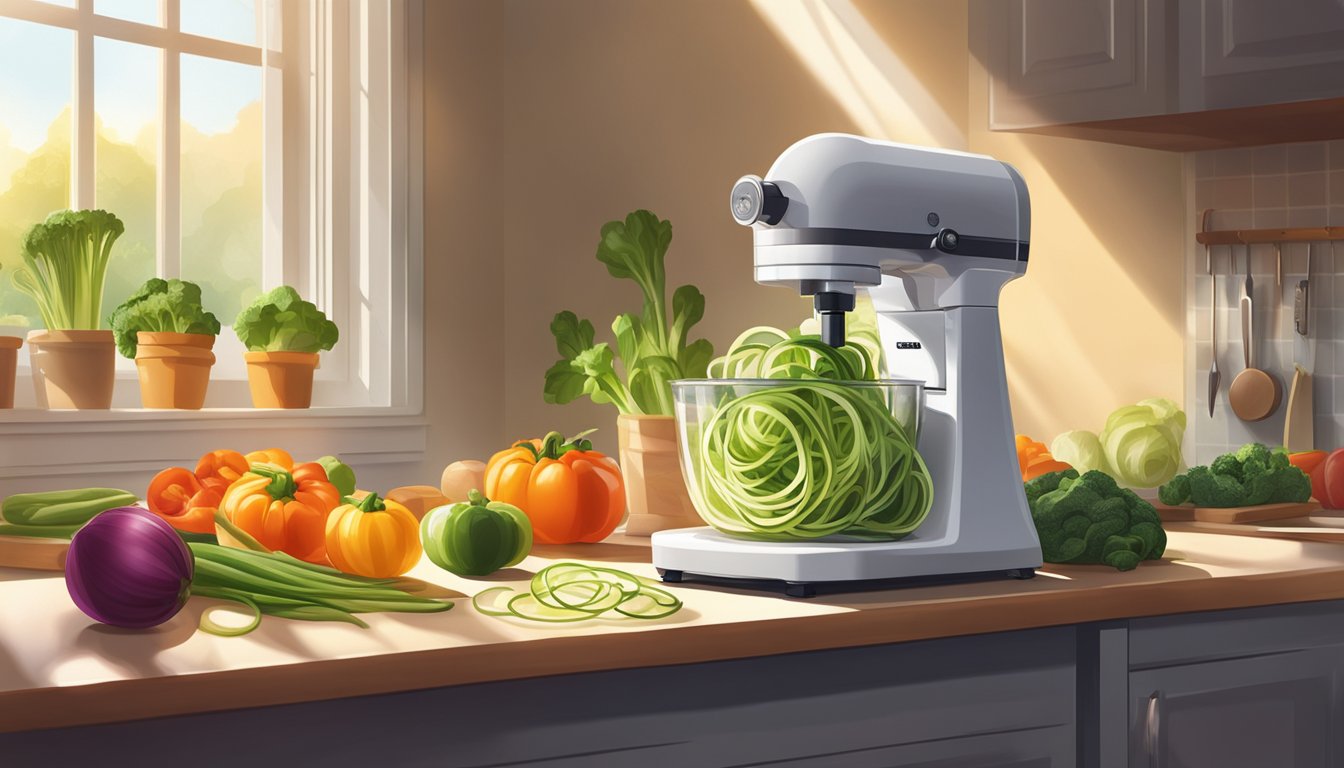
(1090, 519)
(171, 306)
(1252, 475)
(1140, 446)
(281, 321)
(819, 453)
(64, 265)
(652, 348)
(567, 592)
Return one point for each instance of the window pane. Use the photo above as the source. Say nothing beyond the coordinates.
(221, 182)
(234, 20)
(143, 11)
(126, 121)
(35, 125)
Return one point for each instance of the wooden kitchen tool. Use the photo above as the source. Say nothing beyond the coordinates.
(1299, 429)
(1254, 394)
(1235, 515)
(33, 553)
(1325, 525)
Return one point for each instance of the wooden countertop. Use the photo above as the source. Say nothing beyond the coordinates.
(59, 668)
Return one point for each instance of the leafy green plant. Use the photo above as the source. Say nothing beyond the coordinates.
(281, 321)
(161, 306)
(651, 352)
(64, 265)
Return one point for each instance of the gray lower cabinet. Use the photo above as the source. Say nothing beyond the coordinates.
(1275, 710)
(991, 700)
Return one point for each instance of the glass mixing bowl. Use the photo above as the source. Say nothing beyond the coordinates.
(790, 459)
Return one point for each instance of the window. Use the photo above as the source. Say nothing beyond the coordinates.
(245, 144)
(235, 138)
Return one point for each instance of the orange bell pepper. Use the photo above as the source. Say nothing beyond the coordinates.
(277, 456)
(570, 492)
(176, 495)
(373, 537)
(219, 469)
(1034, 459)
(283, 510)
(1307, 461)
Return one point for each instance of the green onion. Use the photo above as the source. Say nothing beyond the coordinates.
(568, 592)
(821, 453)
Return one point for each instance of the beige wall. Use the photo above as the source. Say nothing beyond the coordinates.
(546, 119)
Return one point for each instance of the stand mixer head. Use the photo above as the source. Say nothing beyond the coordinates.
(838, 212)
(933, 236)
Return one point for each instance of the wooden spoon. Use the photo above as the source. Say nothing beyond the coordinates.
(1254, 394)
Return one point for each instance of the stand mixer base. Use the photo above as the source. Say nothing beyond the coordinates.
(837, 564)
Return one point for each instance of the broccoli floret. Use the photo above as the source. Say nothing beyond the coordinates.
(1089, 519)
(1046, 483)
(1209, 489)
(1253, 451)
(1228, 464)
(1175, 491)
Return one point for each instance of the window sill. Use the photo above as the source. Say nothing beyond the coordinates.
(37, 445)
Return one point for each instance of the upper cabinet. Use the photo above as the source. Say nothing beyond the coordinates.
(1069, 61)
(1162, 73)
(1238, 53)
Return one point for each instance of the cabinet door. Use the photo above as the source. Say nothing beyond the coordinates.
(1237, 53)
(1260, 711)
(1069, 61)
(1034, 748)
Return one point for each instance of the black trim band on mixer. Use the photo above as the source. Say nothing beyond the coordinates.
(945, 240)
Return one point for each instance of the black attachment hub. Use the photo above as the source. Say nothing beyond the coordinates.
(831, 306)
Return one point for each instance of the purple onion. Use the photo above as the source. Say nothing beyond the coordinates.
(127, 567)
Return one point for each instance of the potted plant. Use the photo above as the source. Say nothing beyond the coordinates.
(164, 328)
(64, 263)
(652, 350)
(11, 328)
(283, 334)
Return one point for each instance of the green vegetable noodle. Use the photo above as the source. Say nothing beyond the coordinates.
(281, 321)
(651, 352)
(64, 265)
(568, 592)
(161, 306)
(1089, 519)
(1253, 475)
(820, 452)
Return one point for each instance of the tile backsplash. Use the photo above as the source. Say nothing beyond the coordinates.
(1286, 185)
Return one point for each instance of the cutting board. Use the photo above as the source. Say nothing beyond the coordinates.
(1326, 525)
(33, 553)
(1235, 515)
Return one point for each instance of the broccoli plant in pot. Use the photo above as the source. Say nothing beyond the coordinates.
(652, 350)
(65, 261)
(283, 334)
(164, 328)
(9, 356)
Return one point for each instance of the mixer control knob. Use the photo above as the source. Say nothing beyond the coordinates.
(948, 240)
(755, 200)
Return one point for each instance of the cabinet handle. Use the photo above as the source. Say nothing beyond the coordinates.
(1152, 732)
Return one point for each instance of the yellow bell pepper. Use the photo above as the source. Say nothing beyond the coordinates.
(373, 537)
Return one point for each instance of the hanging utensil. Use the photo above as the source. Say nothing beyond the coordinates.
(1299, 423)
(1254, 394)
(1215, 378)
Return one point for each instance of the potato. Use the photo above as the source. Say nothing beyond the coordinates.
(420, 499)
(461, 477)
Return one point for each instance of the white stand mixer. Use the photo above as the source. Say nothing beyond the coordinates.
(933, 236)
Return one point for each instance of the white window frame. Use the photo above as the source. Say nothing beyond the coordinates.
(347, 196)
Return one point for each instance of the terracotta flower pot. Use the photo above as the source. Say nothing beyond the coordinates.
(73, 369)
(281, 379)
(174, 368)
(655, 490)
(9, 363)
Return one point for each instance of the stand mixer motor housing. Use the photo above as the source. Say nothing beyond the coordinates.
(933, 236)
